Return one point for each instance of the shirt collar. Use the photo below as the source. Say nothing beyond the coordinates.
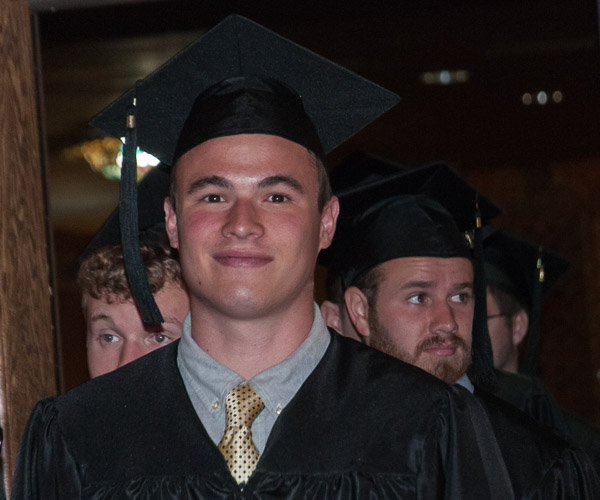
(276, 385)
(466, 383)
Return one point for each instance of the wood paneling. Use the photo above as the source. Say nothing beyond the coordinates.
(27, 358)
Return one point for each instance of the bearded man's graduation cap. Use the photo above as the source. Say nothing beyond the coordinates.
(239, 78)
(525, 271)
(403, 212)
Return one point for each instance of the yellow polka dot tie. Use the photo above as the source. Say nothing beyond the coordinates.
(242, 406)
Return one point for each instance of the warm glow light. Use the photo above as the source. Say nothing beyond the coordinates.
(105, 156)
(145, 161)
(557, 96)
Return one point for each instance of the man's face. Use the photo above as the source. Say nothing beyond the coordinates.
(424, 314)
(499, 326)
(116, 334)
(247, 224)
(506, 334)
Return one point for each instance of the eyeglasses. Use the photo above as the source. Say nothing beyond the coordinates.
(499, 315)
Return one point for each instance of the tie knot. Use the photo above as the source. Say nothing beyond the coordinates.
(242, 406)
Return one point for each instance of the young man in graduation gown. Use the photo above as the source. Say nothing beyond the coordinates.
(410, 288)
(258, 399)
(115, 332)
(517, 274)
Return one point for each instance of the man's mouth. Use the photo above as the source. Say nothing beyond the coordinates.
(442, 350)
(242, 259)
(442, 345)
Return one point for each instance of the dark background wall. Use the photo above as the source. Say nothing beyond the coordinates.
(540, 163)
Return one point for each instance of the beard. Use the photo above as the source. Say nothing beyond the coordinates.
(449, 369)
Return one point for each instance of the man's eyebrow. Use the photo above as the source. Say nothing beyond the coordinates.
(213, 180)
(281, 179)
(417, 284)
(463, 286)
(101, 317)
(467, 285)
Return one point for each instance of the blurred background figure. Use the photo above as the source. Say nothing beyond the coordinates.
(517, 273)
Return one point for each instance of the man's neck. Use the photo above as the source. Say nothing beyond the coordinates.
(509, 362)
(249, 346)
(512, 364)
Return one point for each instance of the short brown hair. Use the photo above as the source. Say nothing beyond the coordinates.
(368, 283)
(102, 274)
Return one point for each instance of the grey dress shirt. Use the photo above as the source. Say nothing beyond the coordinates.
(466, 383)
(207, 382)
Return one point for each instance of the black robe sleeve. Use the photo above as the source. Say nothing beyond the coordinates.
(45, 469)
(571, 476)
(531, 396)
(541, 464)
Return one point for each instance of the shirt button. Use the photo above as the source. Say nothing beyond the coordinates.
(216, 405)
(279, 409)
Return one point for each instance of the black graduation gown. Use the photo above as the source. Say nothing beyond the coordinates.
(531, 396)
(363, 425)
(539, 462)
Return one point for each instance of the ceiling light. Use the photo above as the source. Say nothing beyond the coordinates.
(557, 96)
(542, 97)
(445, 77)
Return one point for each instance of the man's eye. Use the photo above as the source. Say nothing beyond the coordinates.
(417, 299)
(460, 298)
(213, 198)
(107, 338)
(278, 198)
(161, 338)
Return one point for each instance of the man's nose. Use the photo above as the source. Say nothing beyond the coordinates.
(131, 351)
(443, 319)
(243, 220)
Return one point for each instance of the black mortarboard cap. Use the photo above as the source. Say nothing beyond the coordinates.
(421, 211)
(338, 102)
(238, 78)
(436, 180)
(525, 271)
(512, 264)
(362, 168)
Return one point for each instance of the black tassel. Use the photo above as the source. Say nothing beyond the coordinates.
(128, 217)
(482, 371)
(532, 354)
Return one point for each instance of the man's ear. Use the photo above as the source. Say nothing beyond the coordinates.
(331, 315)
(358, 310)
(328, 221)
(171, 223)
(520, 325)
